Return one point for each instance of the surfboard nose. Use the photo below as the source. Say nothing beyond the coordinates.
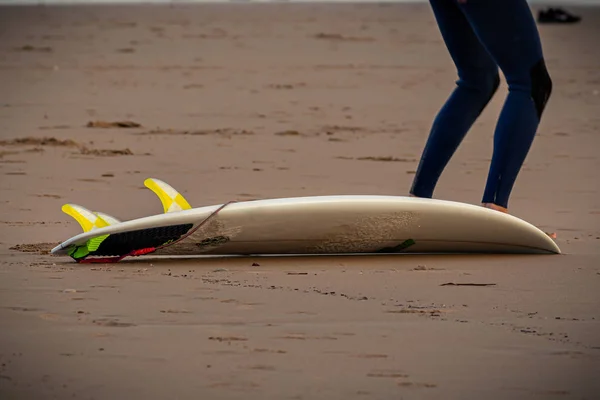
(518, 232)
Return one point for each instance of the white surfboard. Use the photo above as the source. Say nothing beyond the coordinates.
(343, 224)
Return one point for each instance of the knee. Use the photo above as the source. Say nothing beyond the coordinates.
(485, 82)
(541, 86)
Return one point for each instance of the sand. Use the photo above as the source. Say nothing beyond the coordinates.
(237, 102)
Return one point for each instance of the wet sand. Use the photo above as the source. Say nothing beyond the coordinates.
(238, 102)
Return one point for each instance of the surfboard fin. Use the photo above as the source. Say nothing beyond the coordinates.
(86, 218)
(109, 219)
(170, 198)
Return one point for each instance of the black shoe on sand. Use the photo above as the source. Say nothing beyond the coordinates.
(557, 16)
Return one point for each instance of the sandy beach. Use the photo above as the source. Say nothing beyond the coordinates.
(250, 101)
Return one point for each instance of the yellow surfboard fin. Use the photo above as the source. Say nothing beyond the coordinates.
(109, 219)
(87, 219)
(170, 198)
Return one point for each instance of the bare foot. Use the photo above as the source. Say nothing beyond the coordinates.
(495, 207)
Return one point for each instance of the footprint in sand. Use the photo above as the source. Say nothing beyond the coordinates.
(22, 309)
(49, 317)
(387, 374)
(33, 49)
(228, 338)
(417, 385)
(52, 127)
(170, 311)
(301, 313)
(302, 336)
(269, 351)
(371, 356)
(553, 392)
(88, 180)
(222, 352)
(193, 86)
(113, 124)
(113, 323)
(260, 367)
(237, 385)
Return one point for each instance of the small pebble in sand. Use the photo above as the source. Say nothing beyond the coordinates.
(70, 291)
(254, 264)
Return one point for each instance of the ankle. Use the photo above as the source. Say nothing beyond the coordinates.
(495, 207)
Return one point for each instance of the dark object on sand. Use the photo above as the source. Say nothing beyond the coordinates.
(557, 16)
(467, 284)
(115, 124)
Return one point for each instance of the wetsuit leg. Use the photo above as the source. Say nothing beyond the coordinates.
(508, 31)
(478, 80)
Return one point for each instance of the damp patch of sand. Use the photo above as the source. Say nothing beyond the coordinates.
(69, 143)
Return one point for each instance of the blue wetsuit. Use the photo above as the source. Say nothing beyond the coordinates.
(482, 35)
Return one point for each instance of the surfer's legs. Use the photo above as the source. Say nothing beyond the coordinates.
(508, 31)
(478, 80)
(480, 35)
